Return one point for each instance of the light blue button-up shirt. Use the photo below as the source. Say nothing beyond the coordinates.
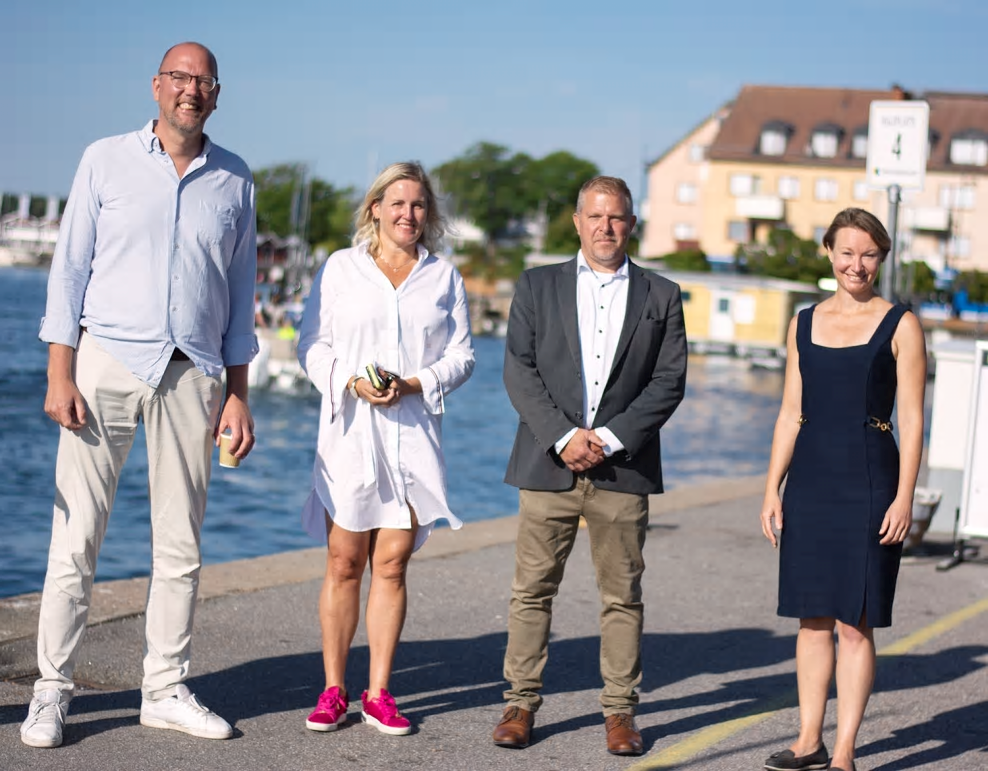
(147, 262)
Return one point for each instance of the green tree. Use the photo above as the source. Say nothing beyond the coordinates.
(786, 256)
(331, 215)
(553, 182)
(276, 189)
(8, 204)
(975, 284)
(687, 259)
(487, 186)
(280, 194)
(920, 279)
(561, 236)
(495, 189)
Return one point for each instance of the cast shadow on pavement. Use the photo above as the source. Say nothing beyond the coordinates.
(777, 691)
(952, 733)
(441, 676)
(85, 702)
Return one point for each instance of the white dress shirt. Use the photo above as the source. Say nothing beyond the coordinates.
(371, 460)
(601, 303)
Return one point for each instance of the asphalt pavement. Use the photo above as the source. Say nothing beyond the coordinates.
(718, 691)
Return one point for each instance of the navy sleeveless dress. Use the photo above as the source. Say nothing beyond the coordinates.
(843, 476)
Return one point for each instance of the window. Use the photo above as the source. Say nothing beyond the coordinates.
(958, 197)
(969, 151)
(789, 188)
(823, 144)
(686, 192)
(744, 184)
(737, 231)
(960, 246)
(825, 189)
(861, 190)
(818, 234)
(859, 145)
(684, 231)
(698, 153)
(773, 142)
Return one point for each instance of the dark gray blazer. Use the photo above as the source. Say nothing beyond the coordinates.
(543, 371)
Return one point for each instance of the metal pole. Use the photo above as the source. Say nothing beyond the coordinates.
(888, 269)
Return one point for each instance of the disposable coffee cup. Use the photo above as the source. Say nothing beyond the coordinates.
(227, 459)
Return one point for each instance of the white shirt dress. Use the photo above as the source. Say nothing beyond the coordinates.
(372, 462)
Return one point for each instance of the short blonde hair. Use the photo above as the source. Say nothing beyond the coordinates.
(366, 227)
(609, 185)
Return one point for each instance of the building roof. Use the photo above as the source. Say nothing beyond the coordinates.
(805, 110)
(719, 114)
(955, 115)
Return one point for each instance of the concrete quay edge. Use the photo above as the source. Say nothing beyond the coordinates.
(126, 597)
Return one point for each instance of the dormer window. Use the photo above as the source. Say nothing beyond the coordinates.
(969, 148)
(859, 143)
(824, 140)
(774, 138)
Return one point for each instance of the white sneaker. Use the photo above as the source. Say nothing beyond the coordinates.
(184, 712)
(45, 719)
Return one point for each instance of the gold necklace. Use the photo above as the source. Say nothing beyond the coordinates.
(393, 268)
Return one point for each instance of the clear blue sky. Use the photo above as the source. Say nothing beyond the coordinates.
(348, 87)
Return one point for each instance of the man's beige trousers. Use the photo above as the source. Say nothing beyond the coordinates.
(179, 416)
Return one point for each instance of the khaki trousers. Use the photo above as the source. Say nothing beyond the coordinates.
(179, 416)
(548, 523)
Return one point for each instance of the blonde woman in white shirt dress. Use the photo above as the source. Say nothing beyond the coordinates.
(379, 483)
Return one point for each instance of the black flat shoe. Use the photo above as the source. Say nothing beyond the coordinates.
(786, 760)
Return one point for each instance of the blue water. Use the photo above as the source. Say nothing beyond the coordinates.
(723, 429)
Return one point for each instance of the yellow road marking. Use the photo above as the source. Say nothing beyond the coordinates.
(682, 751)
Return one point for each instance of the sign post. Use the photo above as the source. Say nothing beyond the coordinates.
(898, 137)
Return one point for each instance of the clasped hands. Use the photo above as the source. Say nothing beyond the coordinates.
(382, 397)
(583, 451)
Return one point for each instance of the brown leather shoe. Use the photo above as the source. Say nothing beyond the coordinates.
(515, 728)
(622, 735)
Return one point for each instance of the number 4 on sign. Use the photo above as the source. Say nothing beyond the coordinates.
(897, 146)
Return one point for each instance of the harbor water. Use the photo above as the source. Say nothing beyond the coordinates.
(723, 429)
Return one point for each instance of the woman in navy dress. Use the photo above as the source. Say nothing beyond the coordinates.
(847, 505)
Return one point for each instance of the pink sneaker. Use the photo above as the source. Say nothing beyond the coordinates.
(383, 714)
(330, 712)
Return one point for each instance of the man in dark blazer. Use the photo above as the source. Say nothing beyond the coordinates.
(595, 364)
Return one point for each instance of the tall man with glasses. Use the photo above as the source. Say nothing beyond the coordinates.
(150, 298)
(595, 364)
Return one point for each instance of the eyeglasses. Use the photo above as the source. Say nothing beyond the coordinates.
(181, 79)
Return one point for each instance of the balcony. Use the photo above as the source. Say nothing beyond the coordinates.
(931, 218)
(761, 207)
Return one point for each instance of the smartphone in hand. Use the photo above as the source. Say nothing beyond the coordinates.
(379, 377)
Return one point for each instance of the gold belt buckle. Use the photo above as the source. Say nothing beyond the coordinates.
(879, 424)
(802, 419)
